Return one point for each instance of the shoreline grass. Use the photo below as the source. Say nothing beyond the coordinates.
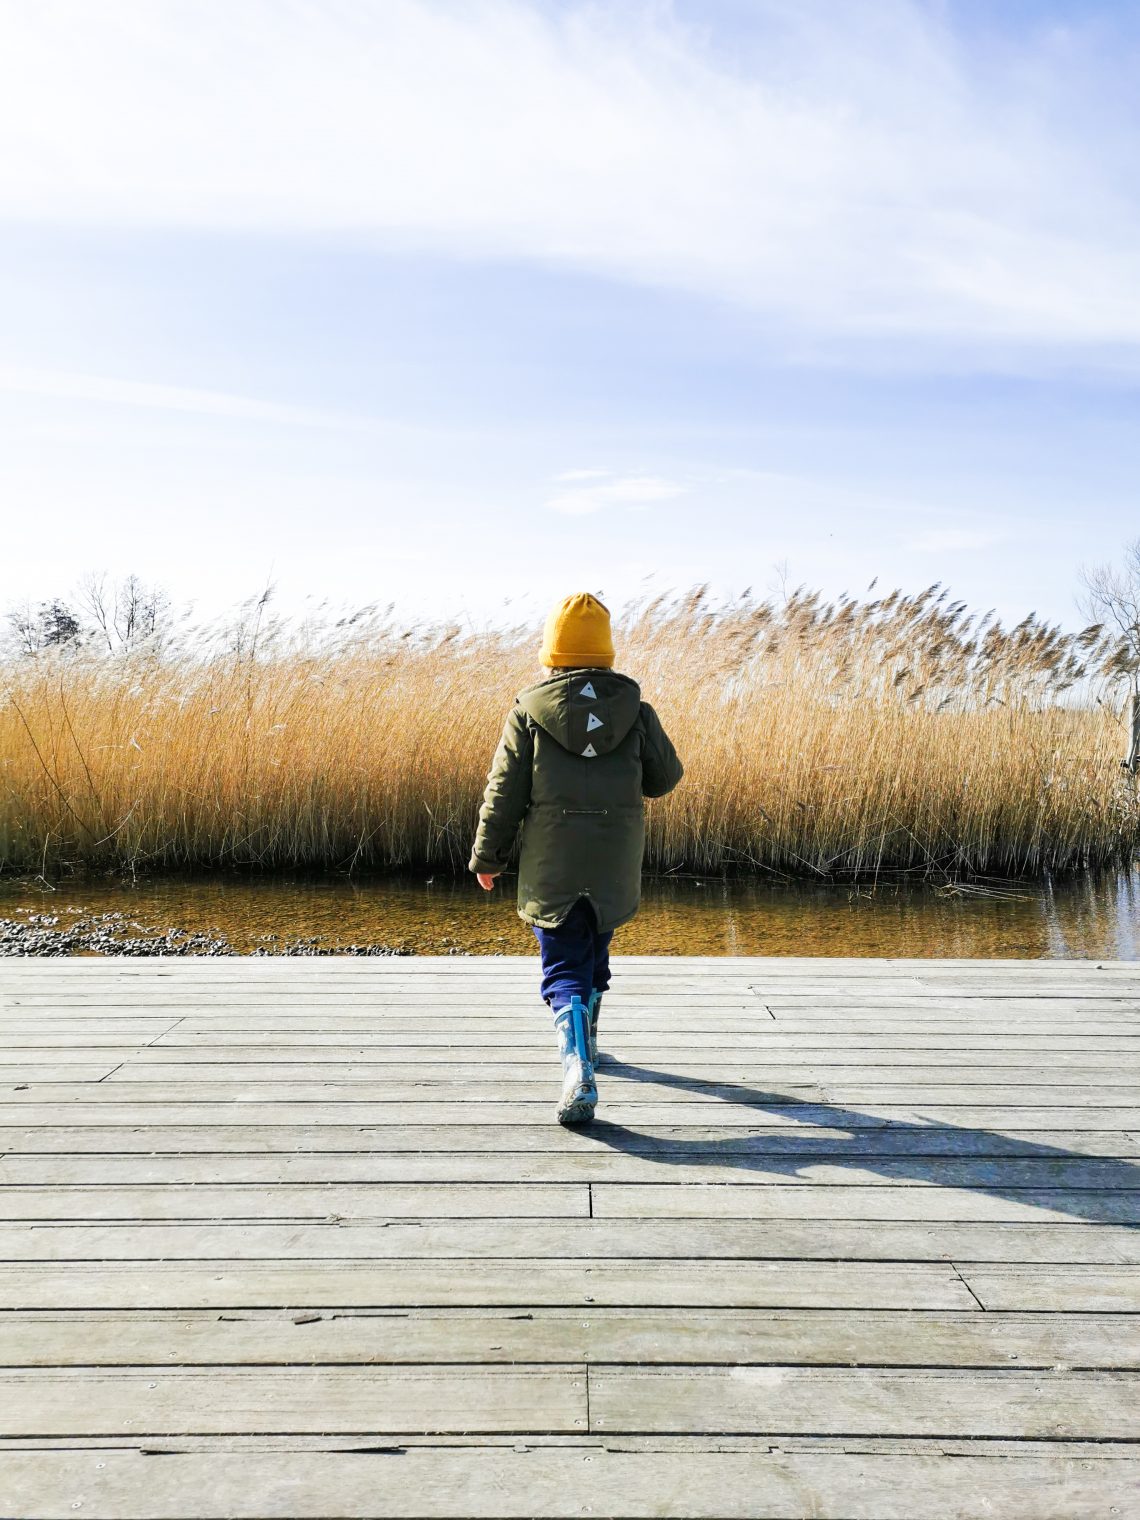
(840, 740)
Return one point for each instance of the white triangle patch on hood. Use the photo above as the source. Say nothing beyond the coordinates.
(608, 709)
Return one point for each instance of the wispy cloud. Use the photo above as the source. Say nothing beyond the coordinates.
(948, 540)
(851, 172)
(633, 492)
(62, 385)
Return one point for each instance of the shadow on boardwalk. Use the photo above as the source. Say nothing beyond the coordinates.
(949, 1155)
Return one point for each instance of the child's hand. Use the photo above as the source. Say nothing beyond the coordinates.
(486, 879)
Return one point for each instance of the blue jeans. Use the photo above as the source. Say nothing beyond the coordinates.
(575, 957)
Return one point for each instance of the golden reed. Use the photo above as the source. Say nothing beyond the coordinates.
(895, 734)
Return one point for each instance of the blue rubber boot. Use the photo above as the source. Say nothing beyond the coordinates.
(579, 1090)
(593, 1008)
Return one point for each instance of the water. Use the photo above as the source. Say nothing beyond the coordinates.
(1087, 917)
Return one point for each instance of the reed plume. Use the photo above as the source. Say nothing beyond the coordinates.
(828, 739)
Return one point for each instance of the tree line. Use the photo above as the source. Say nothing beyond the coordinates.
(115, 616)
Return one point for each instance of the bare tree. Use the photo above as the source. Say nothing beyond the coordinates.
(94, 600)
(127, 614)
(1112, 597)
(22, 629)
(142, 611)
(778, 584)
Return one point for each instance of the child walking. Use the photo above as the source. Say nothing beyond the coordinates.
(579, 753)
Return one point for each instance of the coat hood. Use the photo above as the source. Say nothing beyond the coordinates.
(588, 711)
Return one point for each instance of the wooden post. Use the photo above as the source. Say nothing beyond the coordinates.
(1131, 761)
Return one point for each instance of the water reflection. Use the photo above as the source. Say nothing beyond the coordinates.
(1092, 916)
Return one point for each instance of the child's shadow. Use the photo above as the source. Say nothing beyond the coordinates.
(936, 1153)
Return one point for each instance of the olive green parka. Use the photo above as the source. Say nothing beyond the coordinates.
(578, 755)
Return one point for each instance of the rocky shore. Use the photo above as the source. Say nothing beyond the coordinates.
(74, 932)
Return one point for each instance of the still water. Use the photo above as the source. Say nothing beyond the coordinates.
(1086, 917)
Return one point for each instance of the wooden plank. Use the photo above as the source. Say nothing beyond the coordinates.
(982, 1002)
(319, 1201)
(60, 1035)
(80, 997)
(505, 1483)
(528, 1284)
(183, 1041)
(67, 1060)
(520, 1239)
(858, 1401)
(503, 998)
(1011, 1096)
(785, 1137)
(42, 1402)
(495, 1003)
(519, 976)
(376, 1400)
(512, 1076)
(804, 1184)
(339, 1153)
(14, 1071)
(513, 1073)
(790, 1133)
(810, 1198)
(123, 1031)
(1028, 1107)
(1110, 1289)
(625, 1083)
(533, 1026)
(757, 1030)
(501, 1001)
(804, 1169)
(699, 1030)
(502, 1004)
(770, 1044)
(684, 1027)
(788, 966)
(881, 1198)
(187, 1042)
(1045, 994)
(553, 1335)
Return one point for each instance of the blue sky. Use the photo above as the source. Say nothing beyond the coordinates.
(464, 307)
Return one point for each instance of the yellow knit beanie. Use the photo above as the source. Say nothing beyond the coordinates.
(578, 633)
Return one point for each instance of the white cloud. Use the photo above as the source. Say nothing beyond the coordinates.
(634, 492)
(849, 172)
(941, 540)
(67, 386)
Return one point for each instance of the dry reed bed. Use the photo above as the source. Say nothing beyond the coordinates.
(855, 737)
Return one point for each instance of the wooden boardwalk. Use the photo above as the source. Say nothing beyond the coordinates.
(300, 1238)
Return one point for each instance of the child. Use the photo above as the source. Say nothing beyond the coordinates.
(578, 754)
